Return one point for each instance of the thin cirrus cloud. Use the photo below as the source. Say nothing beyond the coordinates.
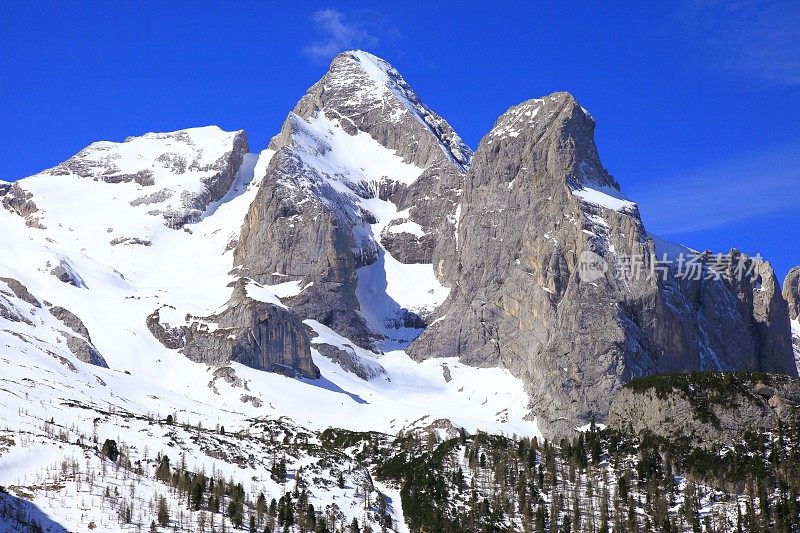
(722, 194)
(337, 32)
(757, 39)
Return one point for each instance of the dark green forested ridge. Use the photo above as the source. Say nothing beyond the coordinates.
(599, 481)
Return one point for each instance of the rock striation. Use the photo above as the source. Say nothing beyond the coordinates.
(258, 334)
(791, 292)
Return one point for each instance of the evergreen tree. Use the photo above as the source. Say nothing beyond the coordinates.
(163, 471)
(110, 450)
(163, 512)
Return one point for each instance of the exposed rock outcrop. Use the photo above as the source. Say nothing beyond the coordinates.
(173, 338)
(706, 409)
(19, 201)
(438, 430)
(409, 247)
(21, 291)
(261, 335)
(85, 351)
(78, 340)
(67, 274)
(791, 292)
(130, 241)
(350, 361)
(8, 310)
(79, 344)
(228, 375)
(69, 319)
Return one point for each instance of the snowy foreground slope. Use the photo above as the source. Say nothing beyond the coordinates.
(126, 228)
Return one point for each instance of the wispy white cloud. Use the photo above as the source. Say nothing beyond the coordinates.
(755, 38)
(336, 33)
(722, 194)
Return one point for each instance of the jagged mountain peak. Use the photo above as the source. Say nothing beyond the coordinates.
(538, 112)
(361, 165)
(365, 235)
(363, 92)
(537, 202)
(558, 128)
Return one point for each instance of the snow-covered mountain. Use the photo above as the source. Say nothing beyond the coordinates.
(93, 248)
(258, 299)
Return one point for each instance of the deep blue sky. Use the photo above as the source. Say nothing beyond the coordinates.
(697, 103)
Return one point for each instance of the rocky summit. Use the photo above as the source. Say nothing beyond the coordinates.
(365, 271)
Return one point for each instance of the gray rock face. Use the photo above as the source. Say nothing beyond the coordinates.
(309, 222)
(350, 361)
(257, 334)
(173, 338)
(773, 332)
(408, 247)
(791, 292)
(79, 344)
(67, 274)
(290, 234)
(535, 199)
(21, 291)
(85, 351)
(228, 375)
(8, 310)
(69, 319)
(709, 410)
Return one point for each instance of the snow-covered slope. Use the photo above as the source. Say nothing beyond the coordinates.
(174, 175)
